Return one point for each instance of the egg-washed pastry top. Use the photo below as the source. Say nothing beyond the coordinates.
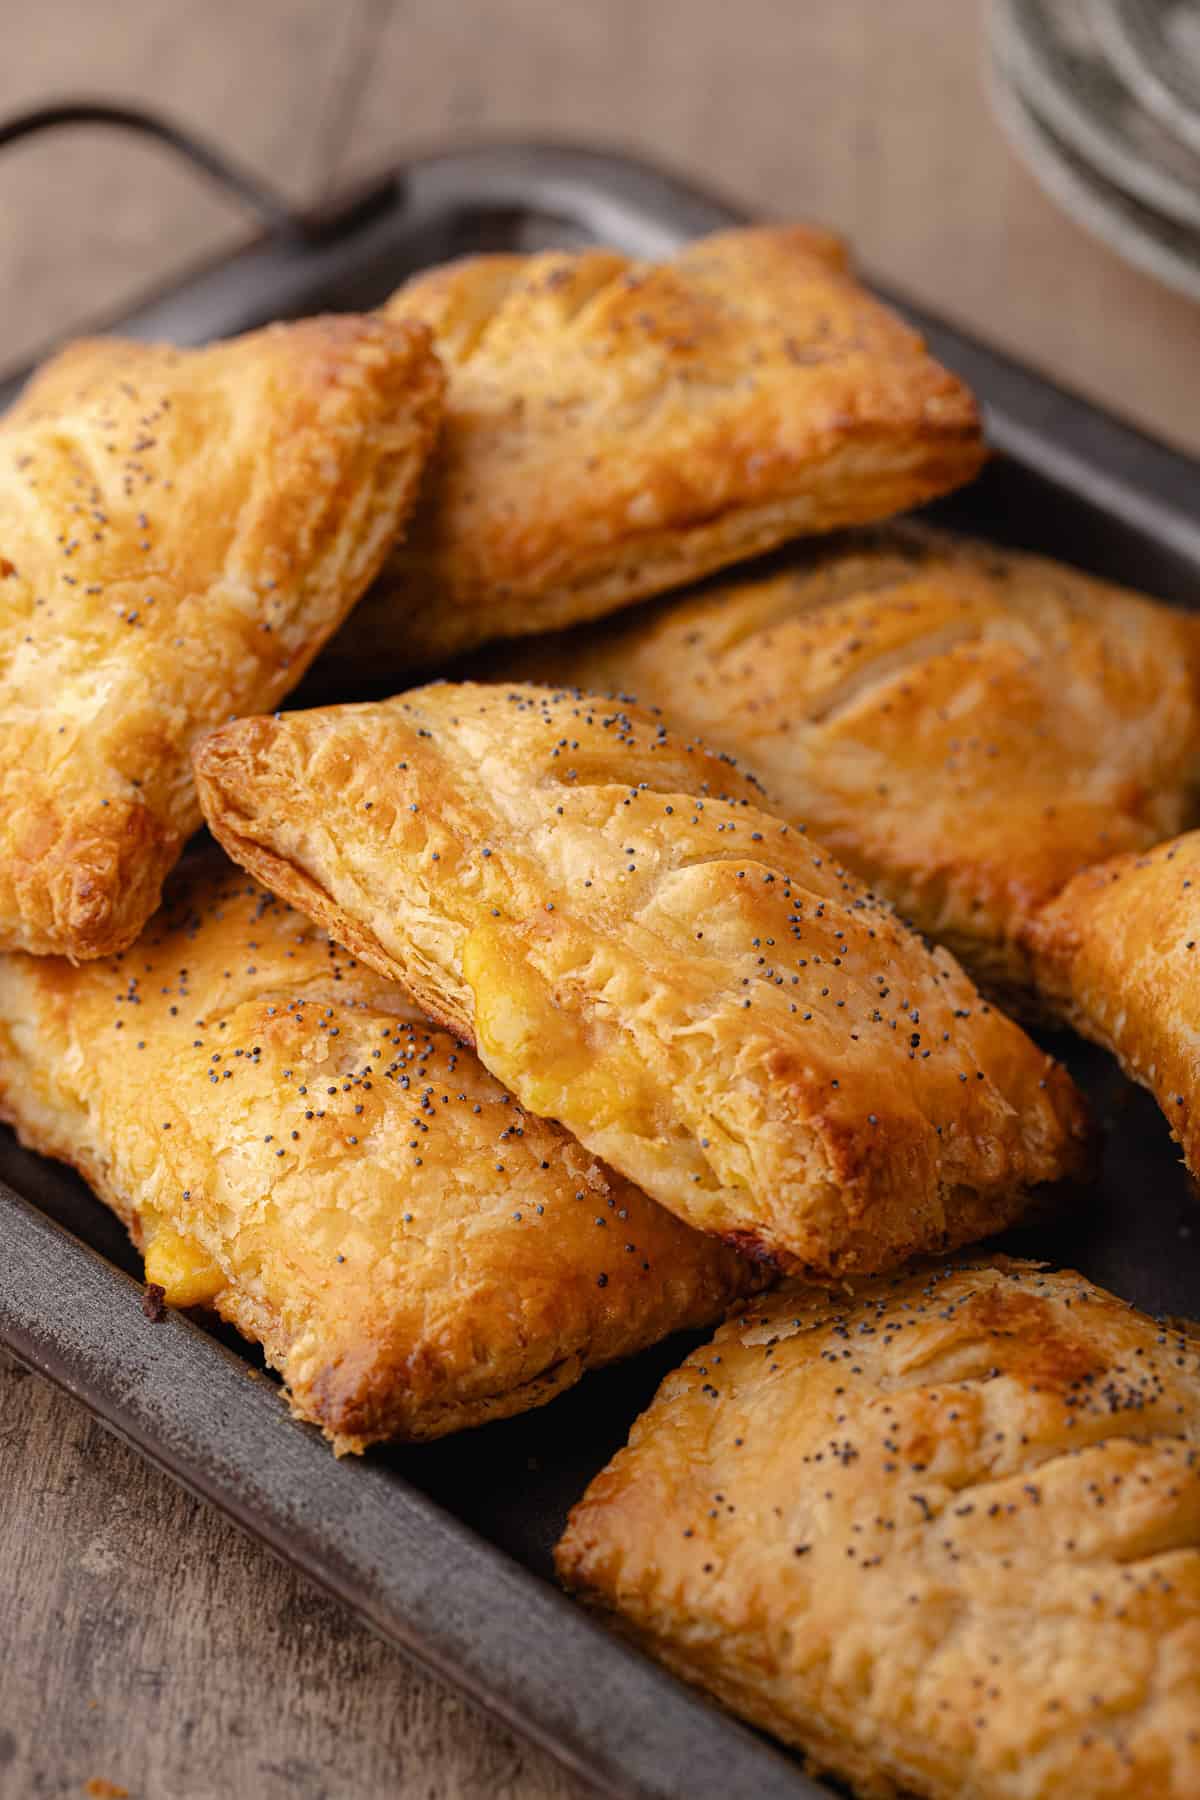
(615, 427)
(967, 726)
(1119, 954)
(694, 988)
(944, 1536)
(292, 1144)
(180, 531)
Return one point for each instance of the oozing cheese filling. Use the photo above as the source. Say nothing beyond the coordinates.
(187, 1274)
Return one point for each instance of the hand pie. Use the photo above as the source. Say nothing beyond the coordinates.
(293, 1145)
(944, 1537)
(182, 530)
(1119, 954)
(967, 727)
(699, 993)
(614, 428)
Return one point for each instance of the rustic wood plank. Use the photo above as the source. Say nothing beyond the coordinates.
(868, 114)
(147, 1643)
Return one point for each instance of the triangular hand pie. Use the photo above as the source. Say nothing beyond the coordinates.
(943, 1537)
(968, 727)
(614, 428)
(292, 1144)
(698, 992)
(180, 531)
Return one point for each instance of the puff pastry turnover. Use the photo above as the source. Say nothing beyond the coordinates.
(968, 727)
(700, 994)
(614, 428)
(180, 531)
(292, 1144)
(1118, 952)
(944, 1538)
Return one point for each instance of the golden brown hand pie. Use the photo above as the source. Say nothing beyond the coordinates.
(968, 727)
(180, 531)
(943, 1537)
(291, 1143)
(1118, 952)
(700, 994)
(614, 428)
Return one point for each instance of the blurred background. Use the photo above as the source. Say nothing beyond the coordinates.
(868, 114)
(153, 1650)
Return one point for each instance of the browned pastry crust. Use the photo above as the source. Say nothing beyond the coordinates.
(699, 993)
(968, 727)
(944, 1537)
(1118, 952)
(182, 530)
(291, 1143)
(614, 428)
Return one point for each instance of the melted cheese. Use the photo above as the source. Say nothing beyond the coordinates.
(187, 1275)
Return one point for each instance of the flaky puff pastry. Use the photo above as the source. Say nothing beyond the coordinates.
(614, 428)
(1118, 953)
(700, 994)
(968, 727)
(292, 1144)
(180, 531)
(943, 1537)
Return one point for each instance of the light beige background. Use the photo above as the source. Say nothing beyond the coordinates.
(143, 1641)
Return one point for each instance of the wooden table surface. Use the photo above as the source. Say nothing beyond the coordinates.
(145, 1643)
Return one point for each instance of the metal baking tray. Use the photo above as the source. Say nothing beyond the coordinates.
(445, 1550)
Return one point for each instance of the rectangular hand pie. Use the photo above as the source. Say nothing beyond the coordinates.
(181, 531)
(292, 1144)
(968, 727)
(1119, 954)
(614, 428)
(696, 990)
(943, 1537)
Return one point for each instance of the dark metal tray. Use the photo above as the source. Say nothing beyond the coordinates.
(446, 1550)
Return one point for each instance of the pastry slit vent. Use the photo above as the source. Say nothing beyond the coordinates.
(782, 603)
(584, 291)
(574, 297)
(886, 669)
(460, 343)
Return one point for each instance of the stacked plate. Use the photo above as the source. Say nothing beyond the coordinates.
(1101, 98)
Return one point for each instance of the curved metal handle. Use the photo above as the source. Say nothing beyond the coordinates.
(274, 211)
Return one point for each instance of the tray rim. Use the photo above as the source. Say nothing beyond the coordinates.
(420, 1578)
(605, 1711)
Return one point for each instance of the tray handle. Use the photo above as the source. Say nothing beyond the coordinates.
(314, 226)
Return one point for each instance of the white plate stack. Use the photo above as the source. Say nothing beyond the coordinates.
(1101, 98)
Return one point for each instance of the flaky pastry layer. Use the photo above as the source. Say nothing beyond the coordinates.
(181, 531)
(944, 1537)
(968, 727)
(291, 1143)
(1118, 953)
(614, 428)
(698, 992)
